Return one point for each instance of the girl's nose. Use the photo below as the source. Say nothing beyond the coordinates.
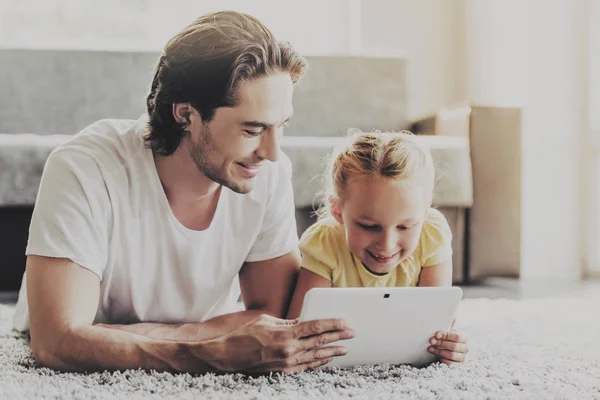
(388, 244)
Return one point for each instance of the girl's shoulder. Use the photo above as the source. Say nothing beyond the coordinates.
(435, 220)
(326, 236)
(436, 237)
(326, 232)
(322, 245)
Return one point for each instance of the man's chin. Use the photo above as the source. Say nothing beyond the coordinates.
(237, 184)
(241, 186)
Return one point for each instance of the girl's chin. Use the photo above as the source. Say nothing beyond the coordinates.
(378, 269)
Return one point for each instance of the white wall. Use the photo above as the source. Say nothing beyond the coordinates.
(431, 33)
(497, 64)
(532, 54)
(148, 24)
(592, 189)
(552, 145)
(432, 36)
(595, 66)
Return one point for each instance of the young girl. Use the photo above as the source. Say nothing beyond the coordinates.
(378, 228)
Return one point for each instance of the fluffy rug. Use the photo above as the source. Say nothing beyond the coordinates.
(538, 348)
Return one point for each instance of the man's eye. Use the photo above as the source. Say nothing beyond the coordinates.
(254, 133)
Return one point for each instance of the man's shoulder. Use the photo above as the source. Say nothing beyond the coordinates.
(106, 141)
(108, 130)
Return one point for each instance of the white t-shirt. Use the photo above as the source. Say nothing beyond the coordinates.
(101, 204)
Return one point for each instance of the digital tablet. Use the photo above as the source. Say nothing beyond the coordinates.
(392, 325)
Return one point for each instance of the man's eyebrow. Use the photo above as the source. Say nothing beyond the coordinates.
(264, 125)
(257, 124)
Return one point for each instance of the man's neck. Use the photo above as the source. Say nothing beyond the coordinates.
(184, 184)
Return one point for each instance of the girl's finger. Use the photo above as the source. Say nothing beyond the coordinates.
(451, 336)
(447, 354)
(457, 347)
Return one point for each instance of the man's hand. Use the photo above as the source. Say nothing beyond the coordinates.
(450, 346)
(271, 344)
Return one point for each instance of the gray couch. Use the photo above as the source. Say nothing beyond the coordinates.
(50, 95)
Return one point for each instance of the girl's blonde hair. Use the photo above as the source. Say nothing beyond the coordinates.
(392, 155)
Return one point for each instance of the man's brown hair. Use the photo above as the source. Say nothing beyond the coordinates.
(204, 64)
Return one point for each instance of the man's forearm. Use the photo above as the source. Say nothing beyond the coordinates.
(96, 348)
(190, 332)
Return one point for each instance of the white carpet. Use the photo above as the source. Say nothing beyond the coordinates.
(542, 348)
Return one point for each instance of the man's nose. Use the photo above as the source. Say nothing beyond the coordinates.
(269, 145)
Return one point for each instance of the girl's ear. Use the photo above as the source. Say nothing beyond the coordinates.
(336, 211)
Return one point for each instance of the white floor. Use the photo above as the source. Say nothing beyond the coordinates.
(540, 348)
(522, 289)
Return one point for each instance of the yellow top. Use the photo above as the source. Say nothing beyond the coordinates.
(326, 253)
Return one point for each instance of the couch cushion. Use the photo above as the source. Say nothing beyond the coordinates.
(79, 87)
(22, 160)
(23, 156)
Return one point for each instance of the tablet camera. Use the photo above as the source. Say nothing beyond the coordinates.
(386, 296)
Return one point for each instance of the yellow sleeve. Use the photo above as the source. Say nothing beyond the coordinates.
(436, 239)
(318, 249)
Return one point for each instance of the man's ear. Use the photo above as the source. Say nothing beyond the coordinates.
(336, 211)
(182, 112)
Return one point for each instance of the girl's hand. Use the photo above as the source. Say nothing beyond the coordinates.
(449, 346)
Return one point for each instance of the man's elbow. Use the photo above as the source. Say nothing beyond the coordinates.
(47, 350)
(44, 355)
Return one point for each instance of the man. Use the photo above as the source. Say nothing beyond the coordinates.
(144, 231)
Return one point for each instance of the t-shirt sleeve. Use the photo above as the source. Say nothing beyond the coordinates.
(319, 250)
(72, 213)
(278, 233)
(436, 239)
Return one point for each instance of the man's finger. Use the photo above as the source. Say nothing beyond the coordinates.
(316, 327)
(323, 339)
(300, 362)
(321, 353)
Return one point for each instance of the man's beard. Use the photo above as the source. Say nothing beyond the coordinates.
(201, 153)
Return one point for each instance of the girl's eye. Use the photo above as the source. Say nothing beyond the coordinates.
(254, 133)
(368, 227)
(404, 227)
